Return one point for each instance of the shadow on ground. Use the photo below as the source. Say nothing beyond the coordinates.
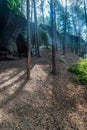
(46, 102)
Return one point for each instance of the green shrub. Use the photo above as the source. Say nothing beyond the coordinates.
(80, 70)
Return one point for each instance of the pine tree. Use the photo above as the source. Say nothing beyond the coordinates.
(28, 39)
(36, 31)
(53, 36)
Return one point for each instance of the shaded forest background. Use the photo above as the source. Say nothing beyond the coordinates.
(70, 26)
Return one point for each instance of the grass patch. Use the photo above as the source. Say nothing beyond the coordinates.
(80, 70)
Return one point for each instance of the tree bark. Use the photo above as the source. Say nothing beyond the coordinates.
(42, 10)
(53, 37)
(28, 39)
(85, 12)
(31, 10)
(79, 33)
(65, 20)
(36, 31)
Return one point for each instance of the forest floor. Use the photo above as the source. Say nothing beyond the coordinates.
(46, 102)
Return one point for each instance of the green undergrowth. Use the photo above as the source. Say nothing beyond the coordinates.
(80, 70)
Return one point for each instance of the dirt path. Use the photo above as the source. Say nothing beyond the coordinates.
(45, 102)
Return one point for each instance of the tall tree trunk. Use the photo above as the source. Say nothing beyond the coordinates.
(85, 12)
(36, 31)
(22, 9)
(85, 16)
(74, 33)
(65, 21)
(28, 39)
(42, 10)
(31, 10)
(53, 36)
(79, 33)
(55, 29)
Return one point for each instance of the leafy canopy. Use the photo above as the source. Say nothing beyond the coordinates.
(15, 5)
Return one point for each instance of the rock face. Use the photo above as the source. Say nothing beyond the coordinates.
(11, 26)
(48, 29)
(72, 42)
(21, 46)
